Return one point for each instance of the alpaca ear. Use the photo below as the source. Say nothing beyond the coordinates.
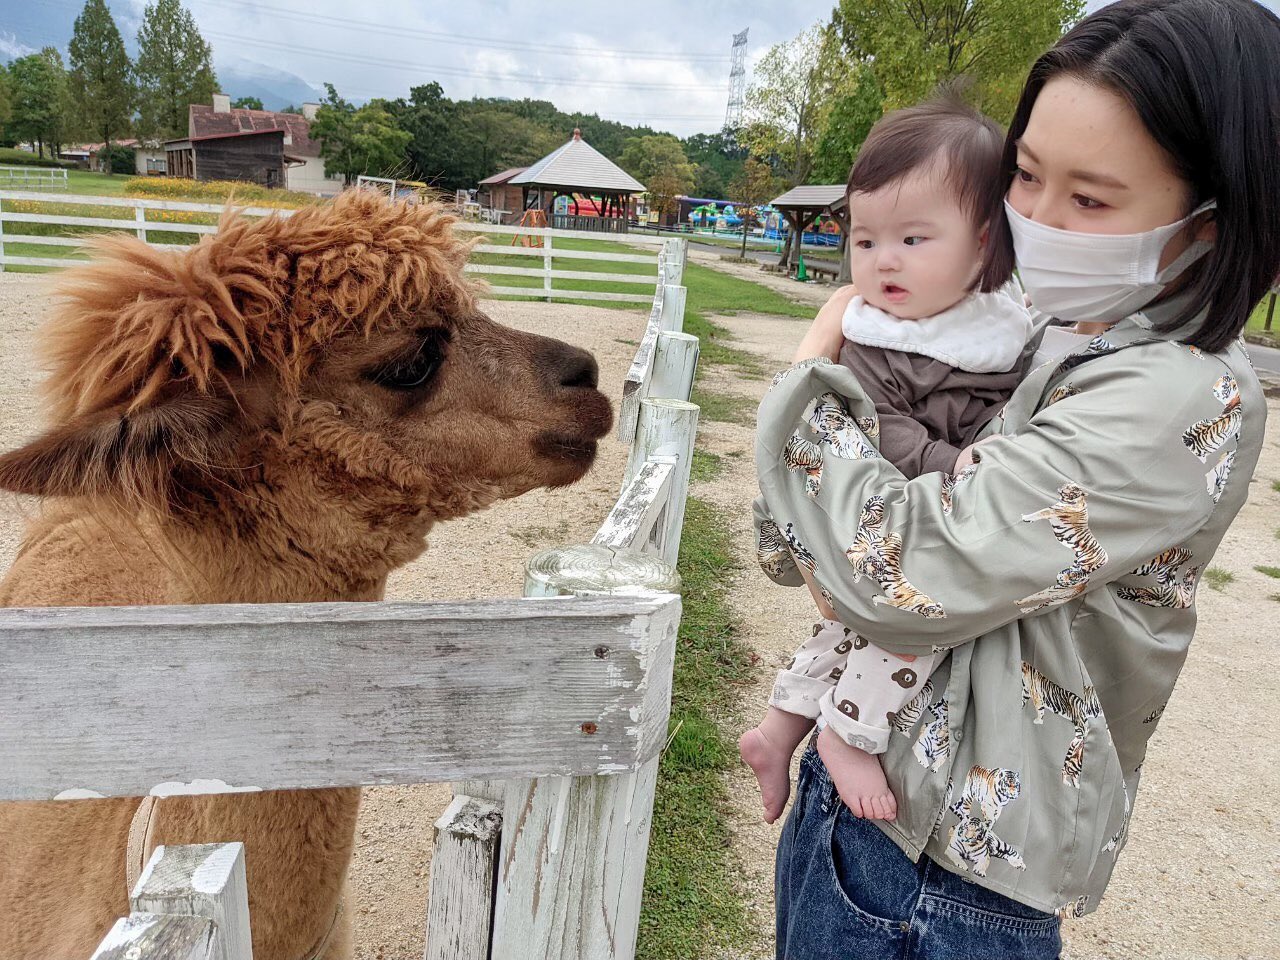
(123, 454)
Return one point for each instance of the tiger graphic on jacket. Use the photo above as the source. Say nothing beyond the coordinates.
(771, 550)
(933, 746)
(878, 555)
(804, 456)
(1205, 436)
(846, 435)
(972, 840)
(1044, 694)
(1069, 521)
(1215, 481)
(1173, 589)
(905, 719)
(952, 480)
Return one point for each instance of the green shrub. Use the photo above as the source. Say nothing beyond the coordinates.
(9, 155)
(123, 159)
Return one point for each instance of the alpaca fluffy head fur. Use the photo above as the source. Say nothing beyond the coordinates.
(336, 356)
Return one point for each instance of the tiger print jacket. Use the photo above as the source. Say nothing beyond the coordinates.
(1060, 571)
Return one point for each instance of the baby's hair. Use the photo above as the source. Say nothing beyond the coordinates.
(967, 149)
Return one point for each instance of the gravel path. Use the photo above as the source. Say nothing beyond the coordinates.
(1201, 875)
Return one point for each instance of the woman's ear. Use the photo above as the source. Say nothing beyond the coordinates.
(1207, 229)
(984, 236)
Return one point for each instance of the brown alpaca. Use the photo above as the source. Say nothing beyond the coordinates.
(280, 413)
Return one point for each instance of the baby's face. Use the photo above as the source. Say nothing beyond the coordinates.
(913, 251)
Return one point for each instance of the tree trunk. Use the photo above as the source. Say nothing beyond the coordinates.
(106, 146)
(746, 224)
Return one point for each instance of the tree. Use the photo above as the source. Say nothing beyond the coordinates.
(252, 103)
(355, 141)
(174, 69)
(101, 75)
(787, 105)
(6, 105)
(756, 184)
(65, 107)
(915, 44)
(36, 98)
(855, 109)
(718, 158)
(659, 162)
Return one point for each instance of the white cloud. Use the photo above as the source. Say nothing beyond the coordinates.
(10, 47)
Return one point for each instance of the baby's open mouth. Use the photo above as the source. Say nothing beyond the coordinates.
(893, 292)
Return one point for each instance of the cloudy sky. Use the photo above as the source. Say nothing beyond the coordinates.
(660, 62)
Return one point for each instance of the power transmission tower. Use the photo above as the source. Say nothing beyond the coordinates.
(737, 82)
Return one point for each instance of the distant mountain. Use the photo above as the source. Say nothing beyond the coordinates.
(276, 88)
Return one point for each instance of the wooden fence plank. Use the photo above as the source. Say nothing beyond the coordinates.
(59, 219)
(145, 202)
(464, 862)
(632, 520)
(561, 274)
(147, 936)
(115, 701)
(558, 294)
(623, 238)
(200, 880)
(562, 254)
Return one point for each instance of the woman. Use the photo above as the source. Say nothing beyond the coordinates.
(1060, 569)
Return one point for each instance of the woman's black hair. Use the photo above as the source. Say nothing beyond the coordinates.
(1204, 78)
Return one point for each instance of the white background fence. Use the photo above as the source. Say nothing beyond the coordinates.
(32, 178)
(544, 864)
(75, 217)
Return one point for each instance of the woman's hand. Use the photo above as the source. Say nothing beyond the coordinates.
(826, 335)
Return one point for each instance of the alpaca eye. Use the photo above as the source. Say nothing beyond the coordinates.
(410, 372)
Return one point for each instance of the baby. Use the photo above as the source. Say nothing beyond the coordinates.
(936, 334)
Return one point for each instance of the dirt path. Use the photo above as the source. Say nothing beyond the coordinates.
(480, 556)
(815, 293)
(1200, 877)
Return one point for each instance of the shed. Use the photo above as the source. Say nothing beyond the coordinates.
(804, 204)
(577, 168)
(498, 193)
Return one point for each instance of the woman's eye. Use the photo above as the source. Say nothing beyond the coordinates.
(410, 372)
(1087, 203)
(1025, 175)
(914, 241)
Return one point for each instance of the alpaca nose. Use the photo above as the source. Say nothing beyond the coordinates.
(571, 367)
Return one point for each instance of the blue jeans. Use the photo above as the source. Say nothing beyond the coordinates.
(845, 891)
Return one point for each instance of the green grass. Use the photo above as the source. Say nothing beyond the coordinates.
(725, 407)
(705, 467)
(1275, 486)
(692, 899)
(1258, 319)
(11, 156)
(1273, 572)
(1219, 578)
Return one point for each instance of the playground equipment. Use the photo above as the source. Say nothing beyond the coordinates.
(533, 219)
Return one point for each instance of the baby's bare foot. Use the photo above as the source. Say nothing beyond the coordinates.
(772, 767)
(858, 777)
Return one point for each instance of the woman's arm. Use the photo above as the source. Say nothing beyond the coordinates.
(825, 336)
(1096, 485)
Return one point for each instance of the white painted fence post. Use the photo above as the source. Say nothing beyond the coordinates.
(179, 887)
(676, 249)
(546, 266)
(1, 236)
(674, 366)
(573, 848)
(464, 865)
(140, 215)
(673, 300)
(667, 430)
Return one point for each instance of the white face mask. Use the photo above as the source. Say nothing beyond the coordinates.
(1095, 277)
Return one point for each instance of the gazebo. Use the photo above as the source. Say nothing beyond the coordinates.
(801, 206)
(579, 170)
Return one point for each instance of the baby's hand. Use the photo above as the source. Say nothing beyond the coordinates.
(970, 455)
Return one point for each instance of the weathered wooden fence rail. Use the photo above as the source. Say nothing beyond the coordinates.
(541, 854)
(25, 177)
(66, 221)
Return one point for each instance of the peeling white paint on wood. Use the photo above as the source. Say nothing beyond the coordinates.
(200, 880)
(149, 937)
(194, 788)
(415, 681)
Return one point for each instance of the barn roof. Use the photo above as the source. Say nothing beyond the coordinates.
(203, 122)
(579, 165)
(813, 196)
(500, 178)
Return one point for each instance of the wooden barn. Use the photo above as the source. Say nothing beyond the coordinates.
(498, 193)
(266, 147)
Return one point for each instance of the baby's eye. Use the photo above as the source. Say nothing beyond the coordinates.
(914, 241)
(864, 244)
